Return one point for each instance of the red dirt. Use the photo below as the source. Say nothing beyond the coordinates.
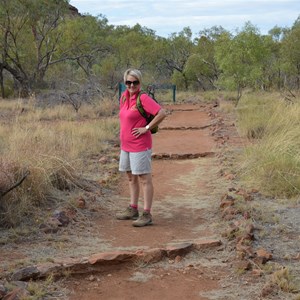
(186, 197)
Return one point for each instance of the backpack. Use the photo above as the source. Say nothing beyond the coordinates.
(141, 110)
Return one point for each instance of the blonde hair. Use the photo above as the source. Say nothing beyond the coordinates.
(133, 72)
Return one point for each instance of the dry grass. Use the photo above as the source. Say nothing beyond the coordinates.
(254, 111)
(285, 280)
(29, 111)
(272, 163)
(210, 96)
(227, 107)
(51, 144)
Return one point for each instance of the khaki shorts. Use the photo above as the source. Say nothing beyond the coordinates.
(137, 163)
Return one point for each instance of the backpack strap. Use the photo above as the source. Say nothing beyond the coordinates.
(140, 107)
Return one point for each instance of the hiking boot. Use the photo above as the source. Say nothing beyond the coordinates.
(129, 213)
(143, 220)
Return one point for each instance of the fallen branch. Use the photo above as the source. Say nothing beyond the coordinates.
(19, 182)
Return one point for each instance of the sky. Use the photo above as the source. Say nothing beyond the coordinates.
(171, 16)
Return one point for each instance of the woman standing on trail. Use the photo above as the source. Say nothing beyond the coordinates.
(136, 147)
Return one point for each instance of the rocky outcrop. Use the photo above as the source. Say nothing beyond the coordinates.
(74, 11)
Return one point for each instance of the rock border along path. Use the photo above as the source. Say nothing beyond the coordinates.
(94, 262)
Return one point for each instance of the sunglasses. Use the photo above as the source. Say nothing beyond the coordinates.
(129, 83)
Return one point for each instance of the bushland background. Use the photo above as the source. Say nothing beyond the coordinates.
(59, 77)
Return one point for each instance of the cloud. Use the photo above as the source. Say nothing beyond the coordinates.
(166, 17)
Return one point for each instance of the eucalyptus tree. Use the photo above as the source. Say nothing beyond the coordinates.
(131, 47)
(273, 63)
(83, 47)
(201, 66)
(84, 40)
(290, 53)
(179, 49)
(28, 38)
(37, 35)
(241, 58)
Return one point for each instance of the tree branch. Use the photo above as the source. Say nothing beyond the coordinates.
(19, 182)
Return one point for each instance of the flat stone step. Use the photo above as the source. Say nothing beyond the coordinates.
(97, 261)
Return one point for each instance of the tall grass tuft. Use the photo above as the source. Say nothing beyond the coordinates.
(285, 280)
(272, 163)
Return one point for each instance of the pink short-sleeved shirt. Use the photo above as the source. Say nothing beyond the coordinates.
(131, 118)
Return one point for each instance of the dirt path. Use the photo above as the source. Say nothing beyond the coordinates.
(182, 191)
(188, 188)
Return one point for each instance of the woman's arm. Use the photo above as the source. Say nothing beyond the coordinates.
(156, 120)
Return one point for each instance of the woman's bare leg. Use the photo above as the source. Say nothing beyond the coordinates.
(148, 190)
(134, 188)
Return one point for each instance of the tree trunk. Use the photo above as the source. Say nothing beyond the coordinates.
(239, 94)
(24, 90)
(186, 84)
